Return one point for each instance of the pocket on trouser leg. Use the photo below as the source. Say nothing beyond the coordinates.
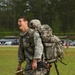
(29, 72)
(42, 72)
(38, 73)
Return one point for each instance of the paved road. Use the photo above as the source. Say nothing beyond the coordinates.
(70, 47)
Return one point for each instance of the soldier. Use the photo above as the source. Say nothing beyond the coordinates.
(30, 49)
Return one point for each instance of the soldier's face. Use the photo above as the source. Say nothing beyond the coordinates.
(22, 24)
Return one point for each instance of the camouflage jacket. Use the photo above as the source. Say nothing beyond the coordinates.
(30, 46)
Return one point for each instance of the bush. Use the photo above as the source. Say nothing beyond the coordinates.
(9, 34)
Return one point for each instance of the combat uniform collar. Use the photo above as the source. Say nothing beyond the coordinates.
(24, 33)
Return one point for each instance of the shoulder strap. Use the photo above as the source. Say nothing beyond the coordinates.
(56, 68)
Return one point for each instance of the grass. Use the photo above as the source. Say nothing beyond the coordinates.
(8, 62)
(69, 59)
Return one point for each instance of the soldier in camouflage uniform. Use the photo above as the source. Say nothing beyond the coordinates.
(30, 49)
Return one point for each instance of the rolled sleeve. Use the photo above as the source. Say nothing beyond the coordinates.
(38, 51)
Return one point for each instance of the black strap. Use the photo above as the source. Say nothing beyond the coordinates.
(61, 62)
(56, 68)
(43, 45)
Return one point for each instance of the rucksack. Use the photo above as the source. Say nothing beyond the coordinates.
(53, 47)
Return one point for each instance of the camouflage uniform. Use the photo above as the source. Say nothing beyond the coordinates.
(30, 47)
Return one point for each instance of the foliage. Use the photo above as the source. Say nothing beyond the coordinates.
(9, 34)
(59, 14)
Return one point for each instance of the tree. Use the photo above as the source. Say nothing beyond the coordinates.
(59, 14)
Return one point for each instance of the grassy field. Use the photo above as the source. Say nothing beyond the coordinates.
(8, 62)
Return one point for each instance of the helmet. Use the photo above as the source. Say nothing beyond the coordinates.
(35, 23)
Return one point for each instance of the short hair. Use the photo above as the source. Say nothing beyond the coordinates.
(25, 18)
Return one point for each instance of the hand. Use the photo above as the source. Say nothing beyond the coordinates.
(49, 66)
(19, 66)
(34, 64)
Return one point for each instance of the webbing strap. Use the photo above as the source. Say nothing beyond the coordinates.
(56, 68)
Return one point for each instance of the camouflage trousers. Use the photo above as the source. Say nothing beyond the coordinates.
(36, 72)
(29, 71)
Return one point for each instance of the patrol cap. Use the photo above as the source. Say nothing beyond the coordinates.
(35, 23)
